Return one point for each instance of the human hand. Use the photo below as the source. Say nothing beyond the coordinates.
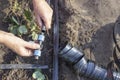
(17, 44)
(43, 12)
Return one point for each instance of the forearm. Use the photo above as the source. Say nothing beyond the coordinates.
(4, 36)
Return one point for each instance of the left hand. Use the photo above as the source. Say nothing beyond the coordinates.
(18, 45)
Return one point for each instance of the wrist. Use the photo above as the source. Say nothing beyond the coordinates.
(3, 37)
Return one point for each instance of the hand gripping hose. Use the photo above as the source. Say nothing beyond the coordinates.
(85, 67)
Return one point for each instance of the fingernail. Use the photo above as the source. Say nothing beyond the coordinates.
(49, 27)
(37, 46)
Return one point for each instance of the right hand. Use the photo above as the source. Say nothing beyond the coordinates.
(43, 12)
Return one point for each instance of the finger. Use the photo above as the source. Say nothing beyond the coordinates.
(29, 52)
(47, 22)
(39, 21)
(32, 45)
(25, 52)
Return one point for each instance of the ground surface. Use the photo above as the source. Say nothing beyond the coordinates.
(86, 24)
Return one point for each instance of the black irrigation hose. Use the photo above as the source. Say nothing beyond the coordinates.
(85, 67)
(56, 41)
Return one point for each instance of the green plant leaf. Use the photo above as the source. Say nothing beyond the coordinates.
(13, 29)
(14, 20)
(41, 78)
(33, 28)
(34, 35)
(38, 75)
(22, 29)
(28, 14)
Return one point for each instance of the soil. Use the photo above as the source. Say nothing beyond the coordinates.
(86, 24)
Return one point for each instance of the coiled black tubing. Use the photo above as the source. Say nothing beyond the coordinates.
(85, 67)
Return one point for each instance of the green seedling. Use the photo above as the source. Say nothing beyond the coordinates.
(16, 28)
(38, 75)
